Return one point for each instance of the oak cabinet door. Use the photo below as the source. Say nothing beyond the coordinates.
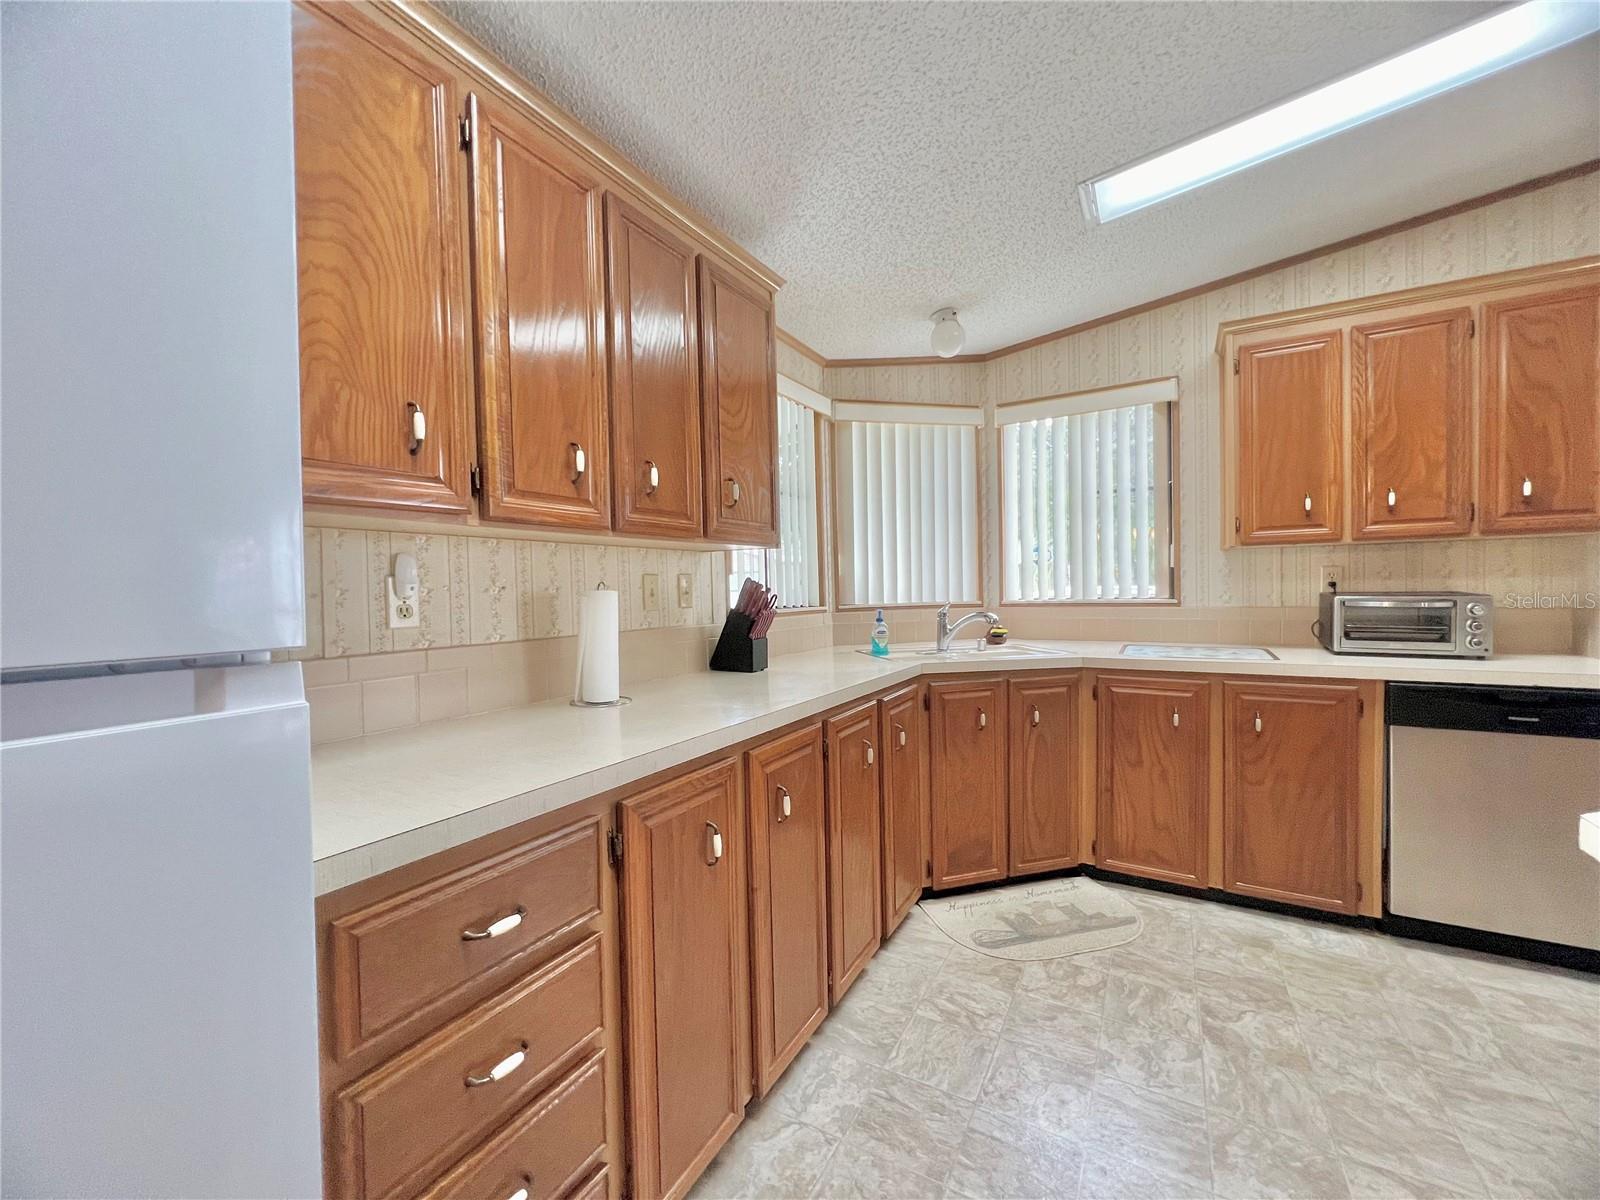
(538, 233)
(1043, 773)
(1291, 441)
(905, 801)
(684, 952)
(1290, 794)
(385, 384)
(967, 732)
(655, 375)
(1411, 425)
(1154, 768)
(738, 344)
(854, 842)
(788, 898)
(1541, 412)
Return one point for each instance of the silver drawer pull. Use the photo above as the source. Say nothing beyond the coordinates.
(1308, 504)
(653, 475)
(785, 808)
(1527, 487)
(1258, 722)
(419, 427)
(983, 719)
(716, 844)
(1174, 718)
(522, 1192)
(871, 757)
(900, 736)
(1036, 717)
(580, 462)
(504, 925)
(1392, 498)
(501, 1069)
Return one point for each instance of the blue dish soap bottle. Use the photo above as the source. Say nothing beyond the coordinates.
(880, 637)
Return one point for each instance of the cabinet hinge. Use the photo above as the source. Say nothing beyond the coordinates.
(824, 749)
(1472, 331)
(464, 127)
(1094, 691)
(1360, 891)
(1361, 707)
(614, 847)
(927, 701)
(1235, 364)
(1094, 848)
(1472, 511)
(1238, 525)
(475, 476)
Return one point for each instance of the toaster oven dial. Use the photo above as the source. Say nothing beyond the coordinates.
(1475, 642)
(1474, 609)
(1474, 626)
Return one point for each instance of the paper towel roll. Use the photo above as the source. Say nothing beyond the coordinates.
(599, 649)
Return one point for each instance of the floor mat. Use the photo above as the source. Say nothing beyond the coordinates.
(1051, 919)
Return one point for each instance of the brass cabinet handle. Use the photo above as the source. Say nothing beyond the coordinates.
(983, 719)
(1392, 499)
(716, 844)
(871, 757)
(1036, 717)
(501, 1069)
(900, 736)
(730, 492)
(580, 462)
(1174, 718)
(1308, 504)
(785, 808)
(419, 427)
(652, 478)
(495, 928)
(1258, 722)
(1527, 488)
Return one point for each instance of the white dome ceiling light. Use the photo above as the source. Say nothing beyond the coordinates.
(948, 337)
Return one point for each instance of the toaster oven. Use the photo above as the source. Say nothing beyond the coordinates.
(1447, 624)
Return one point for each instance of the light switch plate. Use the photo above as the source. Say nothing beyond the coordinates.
(685, 591)
(650, 585)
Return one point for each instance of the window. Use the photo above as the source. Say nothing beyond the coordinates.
(1086, 495)
(908, 504)
(794, 569)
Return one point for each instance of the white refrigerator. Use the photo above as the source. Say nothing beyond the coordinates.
(157, 962)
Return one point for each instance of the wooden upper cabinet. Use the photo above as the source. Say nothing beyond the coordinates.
(684, 955)
(382, 263)
(854, 848)
(738, 344)
(967, 765)
(1411, 425)
(1291, 755)
(1043, 773)
(655, 375)
(1154, 766)
(1290, 451)
(1541, 412)
(788, 898)
(538, 233)
(904, 738)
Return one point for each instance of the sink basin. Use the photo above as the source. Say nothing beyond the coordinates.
(965, 651)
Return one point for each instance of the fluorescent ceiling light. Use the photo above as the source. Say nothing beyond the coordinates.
(1502, 39)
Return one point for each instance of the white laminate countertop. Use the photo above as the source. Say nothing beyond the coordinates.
(389, 799)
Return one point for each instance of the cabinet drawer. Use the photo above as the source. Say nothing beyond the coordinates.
(596, 1188)
(546, 1149)
(410, 954)
(404, 1121)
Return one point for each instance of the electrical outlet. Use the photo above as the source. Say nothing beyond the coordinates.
(685, 591)
(651, 586)
(1330, 577)
(403, 589)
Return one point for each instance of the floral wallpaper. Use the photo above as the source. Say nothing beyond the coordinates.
(478, 590)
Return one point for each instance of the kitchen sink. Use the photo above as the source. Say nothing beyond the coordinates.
(1203, 653)
(979, 653)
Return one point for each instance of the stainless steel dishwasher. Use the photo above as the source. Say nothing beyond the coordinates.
(1486, 785)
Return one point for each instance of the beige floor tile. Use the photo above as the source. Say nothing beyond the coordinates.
(1251, 1162)
(1269, 1085)
(770, 1155)
(1107, 1177)
(864, 1027)
(1001, 1157)
(1140, 1126)
(919, 1126)
(1066, 981)
(1227, 991)
(863, 1169)
(968, 964)
(1068, 1034)
(823, 1088)
(1153, 1058)
(1410, 1145)
(1134, 1001)
(968, 1002)
(1029, 1086)
(949, 1058)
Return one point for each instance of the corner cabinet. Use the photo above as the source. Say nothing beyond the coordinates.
(687, 1006)
(1541, 412)
(967, 769)
(1473, 407)
(1154, 764)
(538, 233)
(385, 372)
(1043, 763)
(739, 378)
(854, 842)
(788, 898)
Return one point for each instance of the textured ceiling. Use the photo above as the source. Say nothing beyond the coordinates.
(891, 158)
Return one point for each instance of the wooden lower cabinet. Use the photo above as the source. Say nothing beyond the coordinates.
(1291, 792)
(788, 898)
(1043, 772)
(854, 842)
(1154, 767)
(684, 965)
(904, 737)
(967, 770)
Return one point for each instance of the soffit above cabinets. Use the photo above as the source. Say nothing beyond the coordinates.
(891, 158)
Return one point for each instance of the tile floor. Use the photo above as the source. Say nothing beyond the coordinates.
(1224, 1053)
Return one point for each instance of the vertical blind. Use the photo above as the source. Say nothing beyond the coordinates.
(908, 512)
(793, 570)
(1086, 502)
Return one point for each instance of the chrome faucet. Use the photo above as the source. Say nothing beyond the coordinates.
(946, 631)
